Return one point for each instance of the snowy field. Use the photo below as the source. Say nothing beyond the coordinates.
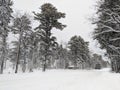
(61, 80)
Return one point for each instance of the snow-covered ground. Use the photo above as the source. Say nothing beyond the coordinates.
(61, 80)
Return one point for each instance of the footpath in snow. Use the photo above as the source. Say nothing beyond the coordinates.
(61, 80)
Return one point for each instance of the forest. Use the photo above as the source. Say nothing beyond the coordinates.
(59, 44)
(38, 49)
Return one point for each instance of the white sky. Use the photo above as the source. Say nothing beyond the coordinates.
(77, 20)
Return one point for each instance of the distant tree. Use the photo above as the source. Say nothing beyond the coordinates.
(48, 19)
(60, 54)
(34, 51)
(79, 52)
(107, 31)
(98, 62)
(13, 53)
(25, 48)
(5, 16)
(21, 26)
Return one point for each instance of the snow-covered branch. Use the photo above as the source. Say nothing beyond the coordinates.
(107, 31)
(115, 39)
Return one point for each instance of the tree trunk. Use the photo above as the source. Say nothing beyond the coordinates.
(32, 60)
(24, 63)
(3, 54)
(117, 66)
(24, 68)
(18, 53)
(112, 65)
(44, 64)
(2, 67)
(17, 60)
(44, 67)
(5, 62)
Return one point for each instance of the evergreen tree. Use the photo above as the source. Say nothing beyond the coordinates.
(98, 62)
(48, 19)
(60, 56)
(21, 26)
(5, 16)
(13, 53)
(34, 51)
(79, 52)
(25, 48)
(107, 32)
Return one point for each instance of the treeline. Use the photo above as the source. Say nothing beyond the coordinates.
(37, 48)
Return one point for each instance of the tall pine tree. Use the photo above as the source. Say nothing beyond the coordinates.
(5, 16)
(48, 19)
(79, 52)
(21, 26)
(107, 32)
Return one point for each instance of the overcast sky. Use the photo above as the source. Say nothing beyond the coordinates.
(77, 20)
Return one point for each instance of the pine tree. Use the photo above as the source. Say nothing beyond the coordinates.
(25, 46)
(79, 52)
(21, 26)
(107, 32)
(34, 51)
(13, 53)
(48, 19)
(98, 62)
(60, 56)
(5, 16)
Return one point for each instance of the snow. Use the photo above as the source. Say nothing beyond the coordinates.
(61, 80)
